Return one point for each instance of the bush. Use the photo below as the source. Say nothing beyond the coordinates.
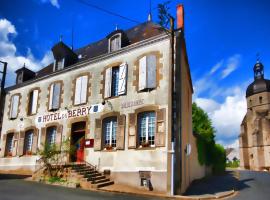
(219, 159)
(55, 179)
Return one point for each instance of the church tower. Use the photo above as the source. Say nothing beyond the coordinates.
(254, 140)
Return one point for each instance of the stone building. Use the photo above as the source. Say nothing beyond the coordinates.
(112, 100)
(254, 139)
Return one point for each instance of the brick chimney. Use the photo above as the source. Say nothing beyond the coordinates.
(180, 16)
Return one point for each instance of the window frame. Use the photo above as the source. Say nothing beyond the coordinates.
(54, 137)
(113, 122)
(56, 62)
(26, 151)
(152, 142)
(115, 36)
(9, 153)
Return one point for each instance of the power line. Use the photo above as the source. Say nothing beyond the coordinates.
(107, 11)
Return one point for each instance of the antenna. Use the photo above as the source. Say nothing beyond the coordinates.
(72, 34)
(258, 57)
(150, 11)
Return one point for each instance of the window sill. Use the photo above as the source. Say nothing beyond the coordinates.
(146, 148)
(109, 150)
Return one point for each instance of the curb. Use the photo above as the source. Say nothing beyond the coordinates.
(220, 195)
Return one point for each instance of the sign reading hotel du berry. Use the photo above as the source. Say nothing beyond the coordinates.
(67, 114)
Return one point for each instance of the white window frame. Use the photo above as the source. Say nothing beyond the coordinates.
(34, 103)
(111, 121)
(12, 106)
(146, 128)
(52, 91)
(81, 91)
(52, 139)
(119, 37)
(56, 63)
(29, 143)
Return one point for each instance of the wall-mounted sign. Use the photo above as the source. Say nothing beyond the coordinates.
(129, 104)
(66, 114)
(89, 143)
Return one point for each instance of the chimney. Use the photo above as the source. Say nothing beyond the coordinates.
(180, 16)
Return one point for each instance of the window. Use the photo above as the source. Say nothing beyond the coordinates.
(146, 129)
(147, 72)
(115, 43)
(14, 109)
(33, 101)
(109, 132)
(9, 144)
(81, 90)
(28, 141)
(51, 136)
(115, 81)
(260, 99)
(59, 64)
(55, 94)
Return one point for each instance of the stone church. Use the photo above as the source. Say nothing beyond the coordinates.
(254, 139)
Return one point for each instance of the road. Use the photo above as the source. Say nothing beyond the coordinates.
(253, 185)
(12, 188)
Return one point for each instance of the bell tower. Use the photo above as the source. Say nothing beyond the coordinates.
(258, 70)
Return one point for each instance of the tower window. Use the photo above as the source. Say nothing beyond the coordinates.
(260, 99)
(115, 43)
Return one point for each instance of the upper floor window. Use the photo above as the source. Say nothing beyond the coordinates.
(55, 96)
(147, 72)
(59, 64)
(115, 81)
(146, 129)
(28, 142)
(109, 132)
(115, 43)
(14, 107)
(51, 135)
(33, 102)
(81, 90)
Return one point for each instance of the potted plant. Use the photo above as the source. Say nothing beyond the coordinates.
(108, 147)
(145, 144)
(9, 154)
(29, 153)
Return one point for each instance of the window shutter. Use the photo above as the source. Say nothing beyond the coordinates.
(58, 138)
(43, 137)
(120, 138)
(97, 141)
(63, 63)
(108, 82)
(35, 141)
(84, 89)
(15, 144)
(3, 145)
(56, 96)
(21, 143)
(151, 71)
(51, 96)
(34, 102)
(78, 91)
(160, 138)
(132, 131)
(14, 106)
(142, 73)
(122, 83)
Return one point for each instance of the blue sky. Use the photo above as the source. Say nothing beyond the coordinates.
(222, 36)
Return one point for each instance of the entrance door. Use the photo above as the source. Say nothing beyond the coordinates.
(77, 142)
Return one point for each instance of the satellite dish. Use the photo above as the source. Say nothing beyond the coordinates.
(188, 149)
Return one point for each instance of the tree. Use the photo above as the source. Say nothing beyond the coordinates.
(209, 153)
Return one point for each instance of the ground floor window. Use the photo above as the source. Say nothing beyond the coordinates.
(28, 142)
(146, 128)
(9, 144)
(51, 135)
(109, 132)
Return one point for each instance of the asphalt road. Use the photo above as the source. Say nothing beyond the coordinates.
(253, 186)
(12, 188)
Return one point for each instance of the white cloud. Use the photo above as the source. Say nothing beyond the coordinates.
(231, 64)
(9, 53)
(216, 67)
(226, 116)
(54, 3)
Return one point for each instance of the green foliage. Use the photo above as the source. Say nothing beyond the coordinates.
(233, 164)
(209, 153)
(55, 179)
(163, 14)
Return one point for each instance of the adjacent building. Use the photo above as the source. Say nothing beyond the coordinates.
(112, 100)
(254, 139)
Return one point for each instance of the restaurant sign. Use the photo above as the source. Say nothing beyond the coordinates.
(66, 114)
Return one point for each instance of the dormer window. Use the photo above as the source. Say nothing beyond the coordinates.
(115, 43)
(59, 64)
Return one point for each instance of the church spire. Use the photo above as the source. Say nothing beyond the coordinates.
(258, 70)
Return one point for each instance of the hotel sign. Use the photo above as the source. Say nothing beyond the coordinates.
(66, 114)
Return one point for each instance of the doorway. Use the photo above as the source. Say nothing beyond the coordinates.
(77, 141)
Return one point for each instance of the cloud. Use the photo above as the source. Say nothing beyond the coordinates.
(226, 116)
(9, 53)
(216, 67)
(231, 64)
(54, 3)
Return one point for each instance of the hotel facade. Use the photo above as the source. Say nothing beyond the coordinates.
(112, 100)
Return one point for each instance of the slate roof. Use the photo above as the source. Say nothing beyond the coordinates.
(135, 34)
